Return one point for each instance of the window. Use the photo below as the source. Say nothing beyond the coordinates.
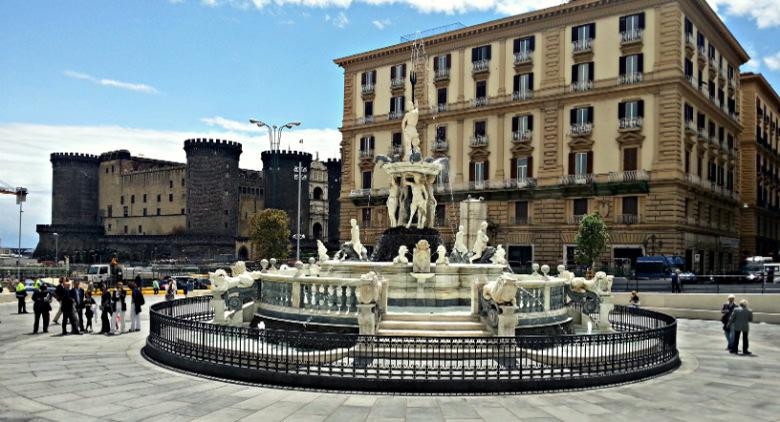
(159, 198)
(581, 163)
(700, 42)
(368, 79)
(480, 53)
(106, 170)
(481, 89)
(368, 108)
(441, 215)
(365, 217)
(688, 27)
(182, 211)
(109, 226)
(140, 229)
(687, 159)
(441, 98)
(632, 64)
(580, 206)
(521, 168)
(522, 126)
(125, 211)
(170, 197)
(583, 32)
(170, 184)
(398, 74)
(582, 73)
(631, 109)
(581, 116)
(688, 112)
(144, 199)
(125, 229)
(523, 83)
(397, 105)
(479, 172)
(524, 45)
(521, 212)
(367, 145)
(366, 181)
(479, 128)
(632, 23)
(631, 206)
(442, 64)
(397, 140)
(711, 51)
(444, 175)
(182, 182)
(132, 199)
(158, 211)
(441, 133)
(688, 69)
(144, 212)
(110, 210)
(630, 159)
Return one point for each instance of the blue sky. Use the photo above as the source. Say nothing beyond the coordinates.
(92, 76)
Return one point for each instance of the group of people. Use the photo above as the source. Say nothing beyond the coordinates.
(736, 321)
(78, 307)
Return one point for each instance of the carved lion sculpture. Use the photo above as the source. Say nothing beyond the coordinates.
(401, 258)
(371, 290)
(502, 290)
(600, 284)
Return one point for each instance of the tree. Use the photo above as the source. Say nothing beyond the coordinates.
(269, 231)
(592, 239)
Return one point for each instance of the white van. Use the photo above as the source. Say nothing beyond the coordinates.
(98, 273)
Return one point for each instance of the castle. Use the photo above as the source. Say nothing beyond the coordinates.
(143, 209)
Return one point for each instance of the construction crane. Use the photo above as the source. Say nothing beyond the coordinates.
(21, 197)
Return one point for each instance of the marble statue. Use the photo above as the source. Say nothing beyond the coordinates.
(355, 237)
(273, 264)
(441, 256)
(601, 284)
(535, 269)
(480, 243)
(419, 202)
(222, 282)
(299, 269)
(499, 257)
(401, 258)
(502, 290)
(421, 258)
(371, 290)
(314, 269)
(431, 214)
(392, 202)
(545, 270)
(460, 242)
(264, 265)
(411, 139)
(403, 210)
(322, 252)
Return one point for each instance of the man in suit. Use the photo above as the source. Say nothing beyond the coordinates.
(740, 322)
(68, 313)
(77, 293)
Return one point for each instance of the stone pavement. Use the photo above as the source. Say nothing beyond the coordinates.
(92, 377)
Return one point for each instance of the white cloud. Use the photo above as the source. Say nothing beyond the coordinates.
(773, 61)
(26, 149)
(766, 13)
(381, 24)
(146, 89)
(287, 22)
(426, 6)
(339, 21)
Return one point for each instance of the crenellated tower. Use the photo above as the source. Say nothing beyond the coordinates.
(281, 187)
(334, 206)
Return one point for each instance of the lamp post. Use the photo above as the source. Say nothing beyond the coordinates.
(299, 175)
(56, 247)
(274, 138)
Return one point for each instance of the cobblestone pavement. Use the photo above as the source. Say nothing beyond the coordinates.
(92, 377)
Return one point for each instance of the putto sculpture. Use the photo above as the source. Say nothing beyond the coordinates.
(421, 258)
(480, 243)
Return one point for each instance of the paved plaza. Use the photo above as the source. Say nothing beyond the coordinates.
(93, 377)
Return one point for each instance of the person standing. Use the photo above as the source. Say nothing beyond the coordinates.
(740, 323)
(136, 301)
(120, 306)
(41, 306)
(634, 300)
(77, 293)
(156, 286)
(21, 297)
(106, 310)
(170, 291)
(58, 292)
(725, 315)
(89, 310)
(676, 281)
(68, 313)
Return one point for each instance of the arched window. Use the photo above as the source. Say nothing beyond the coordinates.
(317, 231)
(243, 254)
(318, 194)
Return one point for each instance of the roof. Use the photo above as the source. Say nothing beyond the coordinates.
(759, 79)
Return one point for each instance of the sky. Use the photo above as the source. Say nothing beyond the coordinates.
(144, 75)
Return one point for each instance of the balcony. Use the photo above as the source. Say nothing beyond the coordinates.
(628, 176)
(395, 115)
(366, 154)
(367, 89)
(396, 151)
(702, 54)
(732, 85)
(397, 83)
(714, 141)
(523, 94)
(631, 37)
(713, 66)
(575, 219)
(626, 219)
(480, 66)
(630, 78)
(692, 80)
(440, 145)
(631, 123)
(576, 179)
(723, 75)
(690, 43)
(477, 185)
(583, 46)
(515, 220)
(690, 127)
(715, 100)
(441, 108)
(354, 193)
(581, 86)
(480, 101)
(581, 129)
(523, 57)
(479, 141)
(693, 179)
(703, 135)
(521, 136)
(365, 120)
(522, 183)
(441, 75)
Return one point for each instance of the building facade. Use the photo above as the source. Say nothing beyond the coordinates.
(628, 108)
(143, 209)
(760, 163)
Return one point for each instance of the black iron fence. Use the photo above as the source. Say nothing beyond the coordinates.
(643, 345)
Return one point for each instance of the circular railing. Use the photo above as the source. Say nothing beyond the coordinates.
(643, 345)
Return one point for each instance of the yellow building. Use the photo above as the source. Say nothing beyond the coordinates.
(628, 108)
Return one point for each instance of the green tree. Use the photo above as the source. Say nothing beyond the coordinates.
(269, 231)
(592, 239)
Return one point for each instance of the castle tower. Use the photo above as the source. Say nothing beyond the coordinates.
(212, 187)
(334, 206)
(281, 188)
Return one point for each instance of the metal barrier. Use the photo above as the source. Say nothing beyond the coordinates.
(181, 337)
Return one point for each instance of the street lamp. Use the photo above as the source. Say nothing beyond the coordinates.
(299, 175)
(274, 138)
(56, 247)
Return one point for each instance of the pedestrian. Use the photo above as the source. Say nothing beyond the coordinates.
(21, 297)
(634, 300)
(68, 313)
(41, 306)
(106, 310)
(136, 301)
(170, 291)
(120, 306)
(77, 293)
(58, 292)
(676, 281)
(725, 315)
(156, 286)
(138, 282)
(89, 310)
(740, 323)
(185, 287)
